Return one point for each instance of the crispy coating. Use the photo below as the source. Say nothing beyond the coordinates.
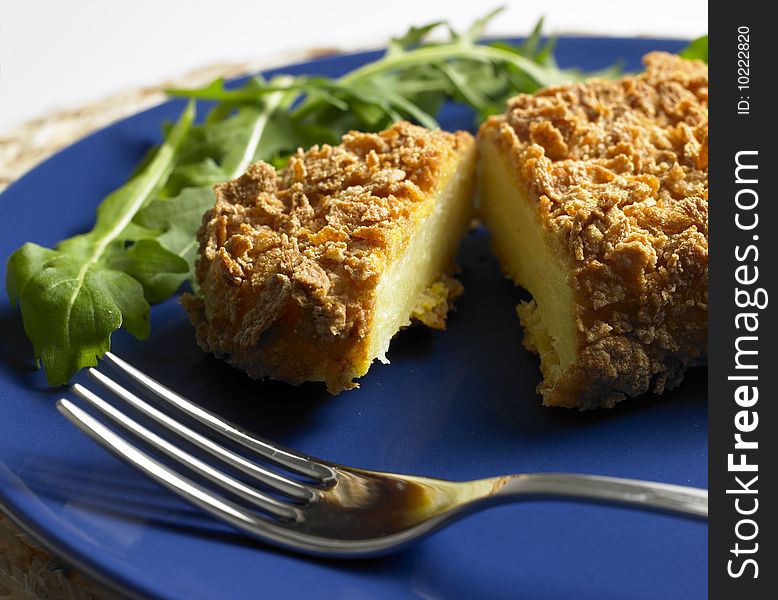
(290, 260)
(619, 172)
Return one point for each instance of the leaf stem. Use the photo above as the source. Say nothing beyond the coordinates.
(442, 53)
(148, 182)
(271, 103)
(448, 51)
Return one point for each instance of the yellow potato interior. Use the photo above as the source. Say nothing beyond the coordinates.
(429, 254)
(527, 256)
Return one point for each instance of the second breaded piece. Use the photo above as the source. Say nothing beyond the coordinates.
(306, 274)
(596, 196)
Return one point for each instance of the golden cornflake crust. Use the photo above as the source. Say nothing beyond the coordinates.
(619, 173)
(289, 260)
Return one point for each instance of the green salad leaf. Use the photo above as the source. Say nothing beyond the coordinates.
(175, 220)
(75, 296)
(143, 245)
(697, 49)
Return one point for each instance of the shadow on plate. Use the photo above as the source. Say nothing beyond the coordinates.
(15, 348)
(116, 494)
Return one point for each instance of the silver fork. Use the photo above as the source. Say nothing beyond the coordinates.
(310, 505)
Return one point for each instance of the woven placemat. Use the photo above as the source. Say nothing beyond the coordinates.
(27, 571)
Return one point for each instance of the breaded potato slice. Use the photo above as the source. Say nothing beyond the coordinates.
(307, 273)
(596, 197)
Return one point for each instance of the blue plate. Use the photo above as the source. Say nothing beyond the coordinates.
(456, 404)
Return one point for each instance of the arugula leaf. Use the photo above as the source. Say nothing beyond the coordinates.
(159, 271)
(477, 29)
(697, 49)
(489, 54)
(220, 150)
(531, 46)
(248, 137)
(177, 219)
(412, 38)
(74, 297)
(70, 310)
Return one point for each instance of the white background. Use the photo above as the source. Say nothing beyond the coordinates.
(61, 53)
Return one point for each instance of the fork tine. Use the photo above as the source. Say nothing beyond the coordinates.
(289, 459)
(269, 478)
(184, 487)
(255, 497)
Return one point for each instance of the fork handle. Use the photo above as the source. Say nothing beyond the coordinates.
(647, 495)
